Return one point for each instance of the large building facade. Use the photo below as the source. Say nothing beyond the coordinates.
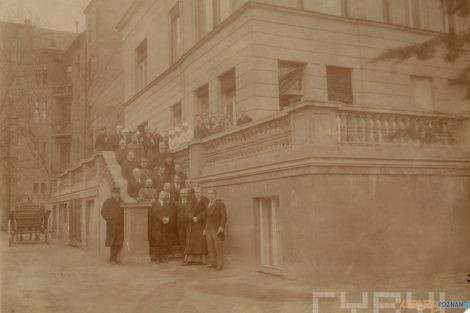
(326, 182)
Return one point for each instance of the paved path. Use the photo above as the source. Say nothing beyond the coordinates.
(40, 278)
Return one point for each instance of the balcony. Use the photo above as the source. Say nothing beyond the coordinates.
(62, 129)
(62, 91)
(324, 135)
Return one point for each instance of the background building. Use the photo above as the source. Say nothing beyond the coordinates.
(34, 63)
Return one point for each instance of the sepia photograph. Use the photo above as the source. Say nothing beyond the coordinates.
(235, 156)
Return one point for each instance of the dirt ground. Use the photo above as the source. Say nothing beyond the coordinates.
(58, 278)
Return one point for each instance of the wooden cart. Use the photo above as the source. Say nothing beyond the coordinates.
(28, 218)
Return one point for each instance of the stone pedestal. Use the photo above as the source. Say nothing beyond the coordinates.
(136, 244)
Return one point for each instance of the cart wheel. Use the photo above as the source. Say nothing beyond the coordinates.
(11, 235)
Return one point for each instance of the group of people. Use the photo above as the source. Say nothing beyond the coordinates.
(179, 214)
(145, 142)
(208, 125)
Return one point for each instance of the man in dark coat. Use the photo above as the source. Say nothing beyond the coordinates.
(216, 217)
(169, 166)
(160, 216)
(145, 169)
(128, 166)
(176, 187)
(179, 172)
(100, 140)
(121, 152)
(159, 178)
(160, 154)
(135, 183)
(188, 184)
(114, 217)
(183, 206)
(112, 142)
(196, 246)
(172, 226)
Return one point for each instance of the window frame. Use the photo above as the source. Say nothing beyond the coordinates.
(141, 65)
(228, 105)
(175, 32)
(291, 94)
(177, 107)
(351, 87)
(199, 93)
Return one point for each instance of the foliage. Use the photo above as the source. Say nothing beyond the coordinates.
(452, 46)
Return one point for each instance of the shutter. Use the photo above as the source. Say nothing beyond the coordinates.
(339, 84)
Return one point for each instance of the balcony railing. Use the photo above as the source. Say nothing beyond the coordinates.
(62, 90)
(369, 127)
(310, 133)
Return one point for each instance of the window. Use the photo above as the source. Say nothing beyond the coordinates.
(38, 75)
(396, 11)
(426, 14)
(141, 65)
(44, 149)
(339, 85)
(415, 16)
(35, 188)
(357, 8)
(37, 115)
(204, 17)
(435, 15)
(421, 89)
(65, 112)
(43, 188)
(176, 114)
(202, 100)
(44, 73)
(222, 10)
(290, 78)
(335, 7)
(66, 211)
(36, 153)
(268, 236)
(228, 90)
(43, 111)
(64, 155)
(175, 33)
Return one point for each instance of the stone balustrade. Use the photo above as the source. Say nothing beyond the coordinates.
(268, 135)
(398, 128)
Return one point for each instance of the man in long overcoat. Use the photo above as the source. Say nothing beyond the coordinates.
(160, 215)
(196, 247)
(216, 217)
(114, 217)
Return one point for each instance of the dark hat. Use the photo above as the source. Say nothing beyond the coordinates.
(116, 190)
